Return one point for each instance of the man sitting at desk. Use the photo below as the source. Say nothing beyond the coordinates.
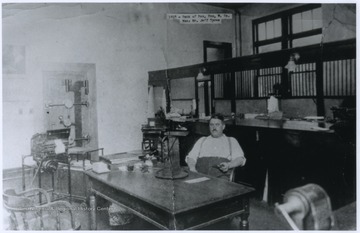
(217, 154)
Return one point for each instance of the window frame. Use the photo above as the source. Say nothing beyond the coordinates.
(287, 36)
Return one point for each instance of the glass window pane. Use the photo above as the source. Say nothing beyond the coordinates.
(317, 18)
(269, 48)
(277, 25)
(261, 31)
(306, 20)
(307, 41)
(215, 54)
(270, 29)
(296, 23)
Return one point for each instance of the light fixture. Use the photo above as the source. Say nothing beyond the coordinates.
(291, 65)
(201, 76)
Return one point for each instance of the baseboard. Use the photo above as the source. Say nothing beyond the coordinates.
(15, 173)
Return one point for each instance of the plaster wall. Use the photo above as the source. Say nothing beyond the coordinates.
(339, 21)
(123, 40)
(254, 106)
(291, 108)
(298, 108)
(223, 107)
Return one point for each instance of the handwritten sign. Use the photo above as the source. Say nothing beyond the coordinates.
(199, 18)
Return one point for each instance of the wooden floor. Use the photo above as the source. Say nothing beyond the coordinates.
(261, 217)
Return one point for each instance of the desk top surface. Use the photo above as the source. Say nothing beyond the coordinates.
(172, 195)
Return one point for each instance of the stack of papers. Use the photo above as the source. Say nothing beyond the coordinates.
(120, 158)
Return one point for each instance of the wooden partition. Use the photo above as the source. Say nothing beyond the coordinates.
(325, 70)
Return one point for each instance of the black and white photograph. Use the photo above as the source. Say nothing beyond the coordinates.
(189, 115)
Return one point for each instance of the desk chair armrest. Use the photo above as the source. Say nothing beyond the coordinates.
(37, 190)
(232, 175)
(94, 150)
(24, 157)
(85, 151)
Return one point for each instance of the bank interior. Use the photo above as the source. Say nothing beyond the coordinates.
(102, 102)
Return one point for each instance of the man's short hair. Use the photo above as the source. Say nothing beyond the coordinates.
(217, 116)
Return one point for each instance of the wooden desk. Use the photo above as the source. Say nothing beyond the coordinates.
(171, 204)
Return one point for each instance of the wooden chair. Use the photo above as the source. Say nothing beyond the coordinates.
(27, 213)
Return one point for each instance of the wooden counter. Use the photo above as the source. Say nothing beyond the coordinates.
(291, 153)
(301, 125)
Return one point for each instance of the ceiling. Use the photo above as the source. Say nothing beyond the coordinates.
(231, 6)
(14, 8)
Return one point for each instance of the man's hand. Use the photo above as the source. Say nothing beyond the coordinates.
(224, 167)
(191, 163)
(192, 169)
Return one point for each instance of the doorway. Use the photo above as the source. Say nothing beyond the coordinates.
(216, 51)
(205, 97)
(213, 51)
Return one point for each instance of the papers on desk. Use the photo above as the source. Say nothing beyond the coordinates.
(100, 167)
(59, 146)
(123, 160)
(197, 180)
(120, 158)
(81, 165)
(320, 128)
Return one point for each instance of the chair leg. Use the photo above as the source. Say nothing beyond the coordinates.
(57, 220)
(92, 204)
(69, 181)
(23, 173)
(26, 225)
(41, 219)
(13, 222)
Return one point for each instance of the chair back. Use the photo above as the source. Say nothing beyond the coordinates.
(12, 200)
(26, 213)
